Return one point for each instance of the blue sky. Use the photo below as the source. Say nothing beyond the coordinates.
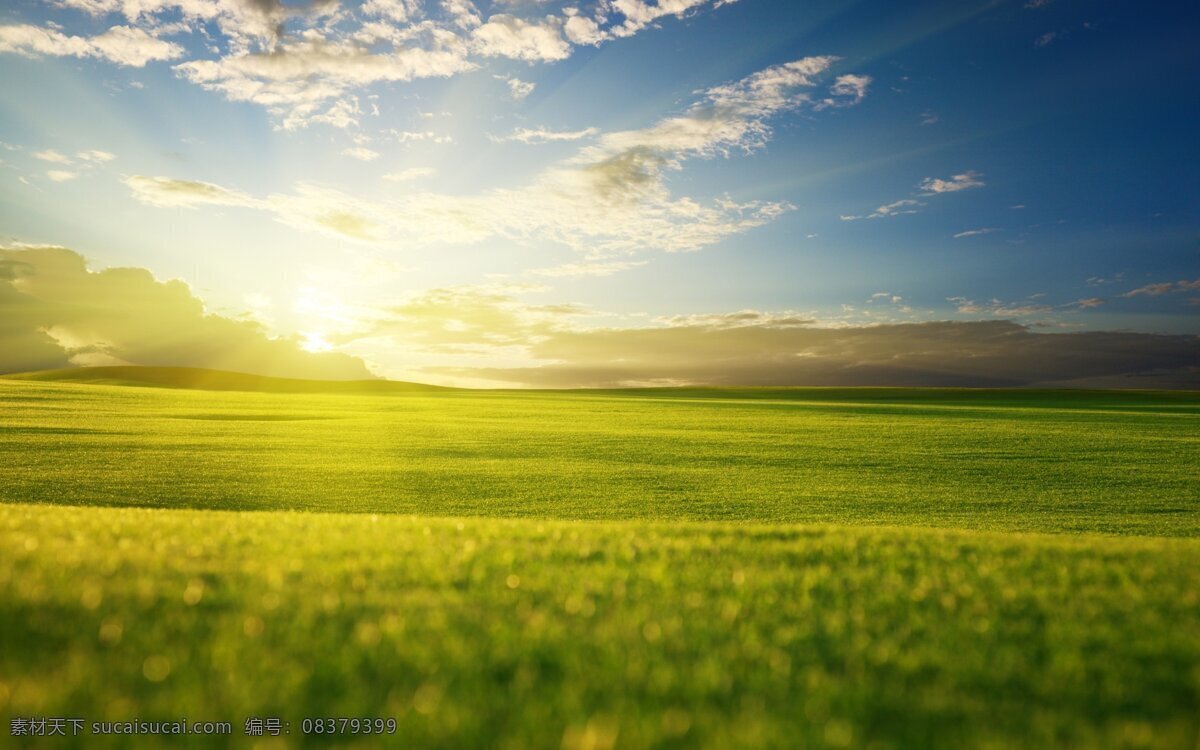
(438, 189)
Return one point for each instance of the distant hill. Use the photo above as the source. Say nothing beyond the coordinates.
(216, 380)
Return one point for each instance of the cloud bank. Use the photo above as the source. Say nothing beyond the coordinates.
(308, 61)
(122, 45)
(763, 348)
(959, 354)
(55, 313)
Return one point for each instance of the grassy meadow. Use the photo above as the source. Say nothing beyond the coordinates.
(877, 568)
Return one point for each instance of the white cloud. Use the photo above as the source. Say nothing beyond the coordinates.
(133, 47)
(165, 192)
(298, 81)
(610, 199)
(639, 14)
(95, 156)
(51, 155)
(343, 113)
(582, 30)
(309, 208)
(1046, 39)
(314, 208)
(587, 269)
(400, 11)
(996, 308)
(975, 232)
(898, 208)
(84, 161)
(729, 117)
(306, 62)
(408, 175)
(1100, 280)
(1154, 290)
(543, 135)
(409, 136)
(965, 181)
(361, 153)
(564, 205)
(122, 45)
(245, 24)
(519, 89)
(91, 7)
(508, 36)
(846, 91)
(463, 13)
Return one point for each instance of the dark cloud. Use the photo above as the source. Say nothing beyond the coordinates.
(23, 347)
(54, 312)
(968, 354)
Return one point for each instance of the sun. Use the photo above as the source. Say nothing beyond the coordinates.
(314, 341)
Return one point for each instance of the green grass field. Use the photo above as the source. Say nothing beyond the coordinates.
(877, 568)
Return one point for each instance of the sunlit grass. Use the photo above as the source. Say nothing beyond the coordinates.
(666, 569)
(1117, 463)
